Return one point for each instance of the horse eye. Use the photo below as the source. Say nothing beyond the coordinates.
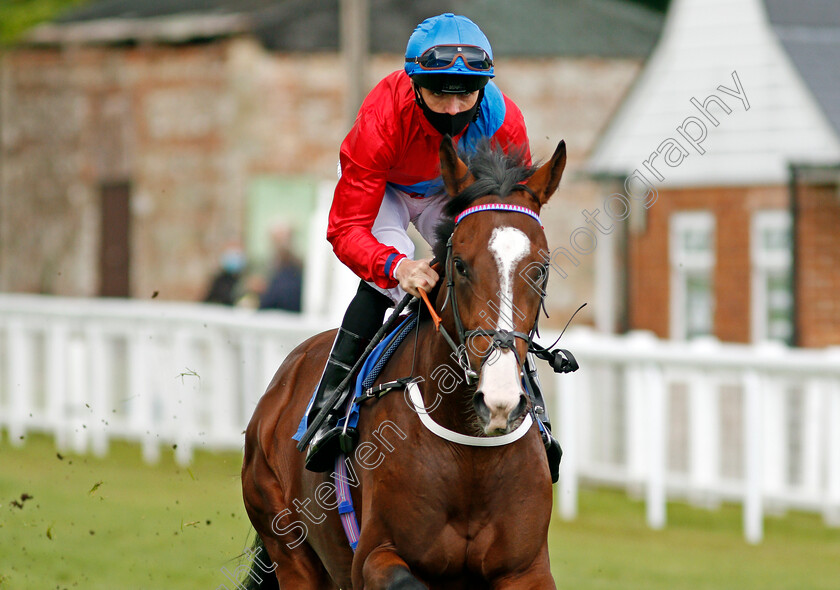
(539, 274)
(460, 268)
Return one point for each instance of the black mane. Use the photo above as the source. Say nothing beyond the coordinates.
(495, 173)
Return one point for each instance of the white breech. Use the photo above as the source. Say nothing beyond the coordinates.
(391, 225)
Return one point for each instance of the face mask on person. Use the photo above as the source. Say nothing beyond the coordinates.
(445, 123)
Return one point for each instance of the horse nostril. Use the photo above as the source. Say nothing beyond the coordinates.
(480, 407)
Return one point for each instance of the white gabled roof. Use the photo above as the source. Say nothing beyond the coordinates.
(703, 43)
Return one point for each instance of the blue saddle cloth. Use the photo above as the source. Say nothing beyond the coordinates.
(368, 373)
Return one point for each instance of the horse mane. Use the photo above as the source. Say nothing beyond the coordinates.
(495, 173)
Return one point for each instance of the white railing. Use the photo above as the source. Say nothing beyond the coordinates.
(161, 374)
(703, 421)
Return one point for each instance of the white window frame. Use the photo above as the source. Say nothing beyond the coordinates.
(764, 263)
(684, 264)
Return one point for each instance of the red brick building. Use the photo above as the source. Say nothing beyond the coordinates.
(734, 131)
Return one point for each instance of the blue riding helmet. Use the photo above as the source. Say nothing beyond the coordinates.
(448, 44)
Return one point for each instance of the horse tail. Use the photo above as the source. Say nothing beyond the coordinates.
(268, 580)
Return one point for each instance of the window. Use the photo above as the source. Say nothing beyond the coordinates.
(692, 256)
(772, 279)
(290, 200)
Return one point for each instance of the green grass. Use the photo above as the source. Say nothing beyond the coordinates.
(609, 546)
(159, 526)
(165, 526)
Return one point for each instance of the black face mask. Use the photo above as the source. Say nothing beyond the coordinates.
(445, 123)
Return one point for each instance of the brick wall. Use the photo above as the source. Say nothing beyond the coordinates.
(818, 265)
(571, 99)
(188, 126)
(648, 258)
(648, 271)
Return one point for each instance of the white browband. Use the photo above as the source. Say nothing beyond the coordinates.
(463, 439)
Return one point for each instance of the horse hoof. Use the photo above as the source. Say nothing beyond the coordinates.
(403, 580)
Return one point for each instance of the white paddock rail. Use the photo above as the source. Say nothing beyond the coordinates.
(702, 421)
(158, 373)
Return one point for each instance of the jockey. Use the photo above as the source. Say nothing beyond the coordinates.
(390, 175)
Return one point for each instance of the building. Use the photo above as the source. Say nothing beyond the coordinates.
(725, 161)
(140, 138)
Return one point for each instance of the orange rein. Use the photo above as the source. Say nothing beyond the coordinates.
(435, 317)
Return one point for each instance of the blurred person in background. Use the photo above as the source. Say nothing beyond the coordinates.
(285, 281)
(226, 285)
(390, 176)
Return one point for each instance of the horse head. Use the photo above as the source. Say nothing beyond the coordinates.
(495, 270)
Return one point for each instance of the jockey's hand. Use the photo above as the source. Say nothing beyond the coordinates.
(415, 275)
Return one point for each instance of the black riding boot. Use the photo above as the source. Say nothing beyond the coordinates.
(323, 447)
(552, 447)
(361, 322)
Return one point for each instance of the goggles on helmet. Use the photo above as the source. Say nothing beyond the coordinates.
(441, 57)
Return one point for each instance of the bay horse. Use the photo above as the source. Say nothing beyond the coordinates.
(434, 512)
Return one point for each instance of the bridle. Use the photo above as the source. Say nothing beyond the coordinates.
(500, 339)
(561, 360)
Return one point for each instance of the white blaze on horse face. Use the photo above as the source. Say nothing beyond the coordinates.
(500, 382)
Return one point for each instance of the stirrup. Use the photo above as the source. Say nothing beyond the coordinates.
(330, 440)
(554, 453)
(325, 447)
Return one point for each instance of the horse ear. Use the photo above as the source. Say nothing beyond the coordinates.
(456, 175)
(545, 180)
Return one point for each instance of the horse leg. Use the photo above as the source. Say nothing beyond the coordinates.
(541, 581)
(383, 569)
(536, 577)
(297, 569)
(292, 560)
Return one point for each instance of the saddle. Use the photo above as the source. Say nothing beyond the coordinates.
(363, 389)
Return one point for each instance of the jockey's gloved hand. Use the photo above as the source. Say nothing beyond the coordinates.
(416, 275)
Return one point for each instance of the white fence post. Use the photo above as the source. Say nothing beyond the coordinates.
(813, 435)
(657, 410)
(570, 388)
(753, 423)
(79, 383)
(141, 397)
(98, 369)
(704, 430)
(704, 441)
(56, 381)
(223, 395)
(637, 418)
(186, 389)
(831, 509)
(775, 436)
(18, 379)
(250, 390)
